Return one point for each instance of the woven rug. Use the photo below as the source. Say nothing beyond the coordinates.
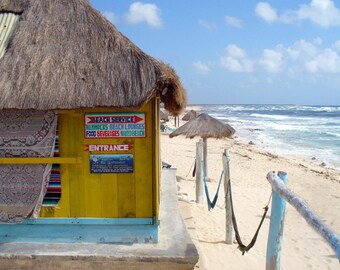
(23, 186)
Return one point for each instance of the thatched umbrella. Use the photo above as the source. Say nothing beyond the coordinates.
(163, 116)
(189, 115)
(204, 126)
(63, 54)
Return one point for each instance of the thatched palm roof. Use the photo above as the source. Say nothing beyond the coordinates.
(189, 115)
(63, 54)
(204, 126)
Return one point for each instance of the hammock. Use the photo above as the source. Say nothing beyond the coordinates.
(211, 204)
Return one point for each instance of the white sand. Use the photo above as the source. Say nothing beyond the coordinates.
(302, 248)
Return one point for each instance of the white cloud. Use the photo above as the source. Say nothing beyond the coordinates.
(236, 60)
(208, 25)
(266, 12)
(235, 51)
(301, 50)
(328, 61)
(201, 68)
(336, 45)
(272, 60)
(232, 21)
(111, 16)
(301, 58)
(237, 65)
(320, 12)
(149, 13)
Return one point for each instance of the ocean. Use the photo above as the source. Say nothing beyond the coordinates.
(301, 131)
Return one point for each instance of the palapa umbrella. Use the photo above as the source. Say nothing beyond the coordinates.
(189, 115)
(204, 126)
(163, 116)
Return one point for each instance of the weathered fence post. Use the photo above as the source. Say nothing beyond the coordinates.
(199, 175)
(274, 243)
(205, 156)
(228, 213)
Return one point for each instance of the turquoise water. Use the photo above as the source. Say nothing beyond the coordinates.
(302, 131)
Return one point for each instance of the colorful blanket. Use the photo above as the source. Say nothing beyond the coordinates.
(53, 193)
(23, 186)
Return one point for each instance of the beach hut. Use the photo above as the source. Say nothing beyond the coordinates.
(204, 126)
(189, 115)
(76, 93)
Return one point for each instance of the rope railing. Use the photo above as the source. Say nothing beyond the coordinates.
(280, 196)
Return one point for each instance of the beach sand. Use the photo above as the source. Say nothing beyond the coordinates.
(302, 248)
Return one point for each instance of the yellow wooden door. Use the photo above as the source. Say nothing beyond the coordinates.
(107, 195)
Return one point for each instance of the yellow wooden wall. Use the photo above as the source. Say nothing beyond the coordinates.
(110, 195)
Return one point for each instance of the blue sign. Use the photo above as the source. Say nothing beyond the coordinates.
(111, 163)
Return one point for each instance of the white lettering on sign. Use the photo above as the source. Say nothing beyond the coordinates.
(108, 147)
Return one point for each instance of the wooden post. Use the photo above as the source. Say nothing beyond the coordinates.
(228, 213)
(306, 212)
(274, 242)
(199, 175)
(205, 156)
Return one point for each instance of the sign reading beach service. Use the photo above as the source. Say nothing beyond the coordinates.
(111, 163)
(115, 125)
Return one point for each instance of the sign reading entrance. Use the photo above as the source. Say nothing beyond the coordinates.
(107, 147)
(115, 125)
(111, 163)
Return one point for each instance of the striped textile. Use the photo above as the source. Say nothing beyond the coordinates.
(53, 193)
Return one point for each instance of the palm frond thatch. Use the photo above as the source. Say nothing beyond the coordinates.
(204, 126)
(63, 54)
(189, 115)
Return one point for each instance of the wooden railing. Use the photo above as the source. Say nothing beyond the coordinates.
(41, 160)
(281, 195)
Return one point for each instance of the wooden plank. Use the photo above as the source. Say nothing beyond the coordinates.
(89, 221)
(306, 212)
(60, 233)
(126, 195)
(109, 199)
(41, 160)
(92, 187)
(143, 167)
(76, 172)
(157, 160)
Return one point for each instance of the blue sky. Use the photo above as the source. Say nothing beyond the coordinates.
(240, 52)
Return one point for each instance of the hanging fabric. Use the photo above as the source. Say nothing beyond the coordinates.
(25, 133)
